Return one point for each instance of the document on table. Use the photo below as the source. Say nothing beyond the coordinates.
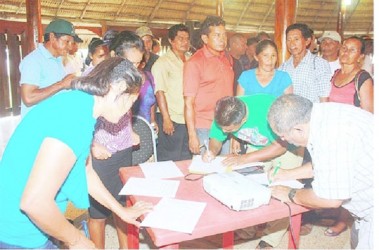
(174, 214)
(198, 166)
(150, 187)
(263, 180)
(161, 170)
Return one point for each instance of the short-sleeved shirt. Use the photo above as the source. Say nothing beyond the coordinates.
(168, 75)
(256, 131)
(341, 143)
(311, 78)
(146, 98)
(40, 68)
(279, 83)
(208, 78)
(67, 117)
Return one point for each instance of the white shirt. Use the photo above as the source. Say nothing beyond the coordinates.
(341, 143)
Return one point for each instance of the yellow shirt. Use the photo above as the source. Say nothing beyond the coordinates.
(168, 77)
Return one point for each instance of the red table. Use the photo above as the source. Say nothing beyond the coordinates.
(216, 218)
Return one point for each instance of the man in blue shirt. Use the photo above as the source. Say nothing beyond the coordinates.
(42, 71)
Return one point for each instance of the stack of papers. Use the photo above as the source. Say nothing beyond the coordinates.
(161, 170)
(150, 187)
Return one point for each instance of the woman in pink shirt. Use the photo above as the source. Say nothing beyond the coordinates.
(351, 84)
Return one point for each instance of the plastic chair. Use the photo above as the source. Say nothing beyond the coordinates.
(147, 146)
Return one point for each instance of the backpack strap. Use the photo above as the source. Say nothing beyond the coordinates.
(357, 84)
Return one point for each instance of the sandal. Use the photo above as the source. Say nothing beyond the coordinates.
(330, 233)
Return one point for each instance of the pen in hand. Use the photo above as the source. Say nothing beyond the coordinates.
(207, 152)
(276, 169)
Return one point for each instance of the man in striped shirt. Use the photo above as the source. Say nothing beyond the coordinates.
(340, 139)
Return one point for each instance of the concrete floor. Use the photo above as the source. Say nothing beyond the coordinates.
(314, 240)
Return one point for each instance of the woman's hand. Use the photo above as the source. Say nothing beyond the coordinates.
(99, 151)
(131, 214)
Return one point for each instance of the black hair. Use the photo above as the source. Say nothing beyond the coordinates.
(46, 37)
(210, 21)
(95, 42)
(306, 32)
(173, 30)
(252, 40)
(264, 44)
(362, 42)
(230, 110)
(126, 40)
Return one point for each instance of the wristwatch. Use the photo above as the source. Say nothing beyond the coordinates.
(292, 194)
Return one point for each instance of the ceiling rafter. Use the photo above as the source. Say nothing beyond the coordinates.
(330, 17)
(20, 6)
(59, 7)
(85, 9)
(267, 14)
(316, 16)
(247, 5)
(347, 20)
(152, 15)
(187, 12)
(120, 9)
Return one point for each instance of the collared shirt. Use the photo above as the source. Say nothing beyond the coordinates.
(341, 143)
(40, 68)
(208, 78)
(168, 77)
(311, 78)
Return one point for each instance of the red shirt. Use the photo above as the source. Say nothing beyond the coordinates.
(208, 78)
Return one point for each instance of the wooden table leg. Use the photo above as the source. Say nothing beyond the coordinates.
(228, 240)
(132, 232)
(296, 225)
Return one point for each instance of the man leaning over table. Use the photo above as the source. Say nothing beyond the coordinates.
(245, 118)
(340, 141)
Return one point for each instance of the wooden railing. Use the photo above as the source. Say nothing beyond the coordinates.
(12, 50)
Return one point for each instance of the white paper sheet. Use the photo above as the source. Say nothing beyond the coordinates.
(198, 166)
(150, 187)
(161, 170)
(263, 179)
(174, 214)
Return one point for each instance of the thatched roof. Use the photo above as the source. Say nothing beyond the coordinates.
(247, 16)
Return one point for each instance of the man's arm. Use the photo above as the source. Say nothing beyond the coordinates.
(267, 153)
(304, 197)
(168, 126)
(32, 94)
(189, 114)
(213, 150)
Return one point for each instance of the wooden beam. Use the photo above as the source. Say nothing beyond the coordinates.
(247, 5)
(267, 14)
(20, 7)
(34, 27)
(59, 7)
(285, 15)
(120, 9)
(152, 15)
(331, 16)
(85, 9)
(347, 19)
(185, 19)
(220, 8)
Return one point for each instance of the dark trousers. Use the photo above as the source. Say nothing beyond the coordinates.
(172, 147)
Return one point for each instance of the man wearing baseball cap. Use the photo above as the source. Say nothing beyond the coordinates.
(330, 43)
(42, 71)
(147, 36)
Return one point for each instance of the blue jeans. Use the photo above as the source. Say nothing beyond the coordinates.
(48, 245)
(203, 135)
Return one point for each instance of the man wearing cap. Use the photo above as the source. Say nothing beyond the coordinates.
(73, 63)
(330, 43)
(147, 36)
(42, 71)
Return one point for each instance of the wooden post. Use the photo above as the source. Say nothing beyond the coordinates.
(341, 17)
(285, 15)
(34, 28)
(220, 8)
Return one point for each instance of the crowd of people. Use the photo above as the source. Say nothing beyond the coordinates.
(308, 115)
